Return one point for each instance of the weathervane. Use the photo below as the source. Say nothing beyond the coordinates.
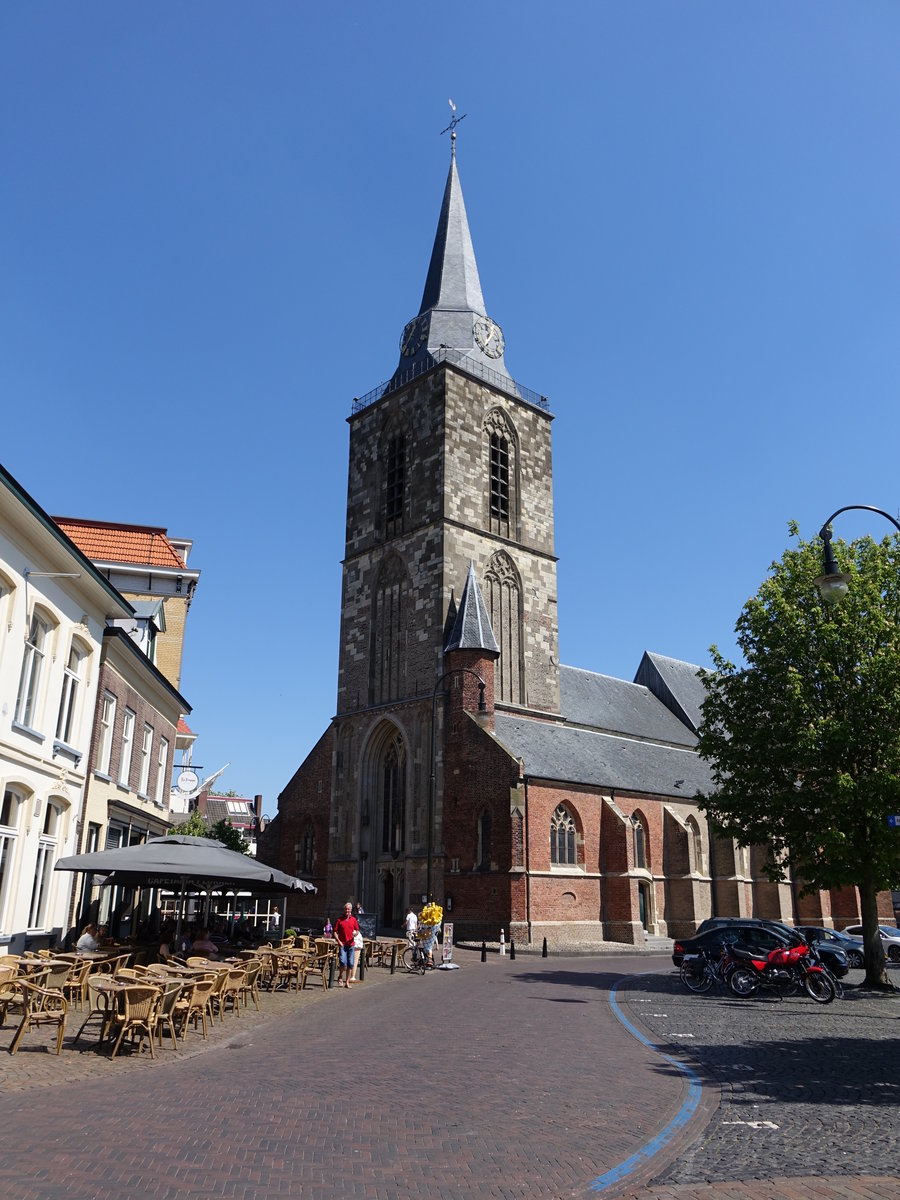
(454, 121)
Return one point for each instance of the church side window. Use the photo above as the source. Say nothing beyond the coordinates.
(306, 851)
(504, 600)
(639, 837)
(395, 484)
(563, 851)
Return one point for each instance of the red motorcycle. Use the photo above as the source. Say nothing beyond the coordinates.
(784, 970)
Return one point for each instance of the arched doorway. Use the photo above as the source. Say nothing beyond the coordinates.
(383, 822)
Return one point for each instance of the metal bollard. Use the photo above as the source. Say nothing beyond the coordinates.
(331, 972)
(393, 959)
(544, 951)
(362, 965)
(484, 951)
(512, 951)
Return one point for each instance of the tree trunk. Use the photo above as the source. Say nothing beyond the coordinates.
(876, 969)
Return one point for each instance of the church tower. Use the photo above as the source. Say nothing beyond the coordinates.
(450, 480)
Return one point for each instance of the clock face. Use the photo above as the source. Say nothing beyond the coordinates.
(489, 337)
(414, 336)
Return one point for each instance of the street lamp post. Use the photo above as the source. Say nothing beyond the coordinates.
(481, 708)
(832, 583)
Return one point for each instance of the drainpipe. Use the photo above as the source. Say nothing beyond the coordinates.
(527, 866)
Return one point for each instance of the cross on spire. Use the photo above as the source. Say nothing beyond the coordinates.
(454, 121)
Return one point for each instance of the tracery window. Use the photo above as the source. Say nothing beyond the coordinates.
(502, 474)
(387, 674)
(503, 595)
(696, 849)
(306, 850)
(393, 798)
(563, 852)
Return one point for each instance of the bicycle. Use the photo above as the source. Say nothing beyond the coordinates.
(416, 956)
(699, 972)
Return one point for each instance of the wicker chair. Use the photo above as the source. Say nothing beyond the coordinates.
(194, 1003)
(99, 1008)
(75, 987)
(250, 985)
(9, 988)
(40, 1006)
(165, 1010)
(134, 1013)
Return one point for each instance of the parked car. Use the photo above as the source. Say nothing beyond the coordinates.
(851, 946)
(890, 938)
(755, 933)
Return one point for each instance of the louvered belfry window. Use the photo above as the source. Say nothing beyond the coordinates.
(499, 484)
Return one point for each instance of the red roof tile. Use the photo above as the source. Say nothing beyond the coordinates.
(106, 542)
(183, 727)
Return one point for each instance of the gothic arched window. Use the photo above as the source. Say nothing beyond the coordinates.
(503, 593)
(639, 839)
(392, 782)
(563, 851)
(696, 848)
(306, 850)
(387, 673)
(502, 475)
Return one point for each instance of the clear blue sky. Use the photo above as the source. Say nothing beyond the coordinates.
(216, 218)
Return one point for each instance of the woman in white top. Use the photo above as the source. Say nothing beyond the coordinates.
(88, 939)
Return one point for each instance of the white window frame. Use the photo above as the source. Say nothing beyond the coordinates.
(43, 867)
(68, 699)
(124, 776)
(107, 722)
(11, 808)
(162, 769)
(39, 630)
(146, 753)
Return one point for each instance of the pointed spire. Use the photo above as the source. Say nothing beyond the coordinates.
(452, 316)
(472, 628)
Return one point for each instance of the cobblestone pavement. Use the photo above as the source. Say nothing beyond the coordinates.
(496, 1080)
(504, 1079)
(806, 1090)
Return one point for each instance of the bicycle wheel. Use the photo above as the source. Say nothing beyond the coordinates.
(696, 975)
(407, 958)
(819, 987)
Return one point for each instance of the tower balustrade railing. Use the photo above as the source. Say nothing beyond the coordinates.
(465, 363)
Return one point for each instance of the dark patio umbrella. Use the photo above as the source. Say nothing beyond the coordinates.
(180, 863)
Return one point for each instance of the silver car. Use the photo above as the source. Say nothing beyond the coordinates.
(890, 939)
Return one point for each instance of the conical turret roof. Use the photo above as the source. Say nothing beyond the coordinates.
(472, 628)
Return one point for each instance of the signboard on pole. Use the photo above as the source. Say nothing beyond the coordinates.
(447, 948)
(894, 822)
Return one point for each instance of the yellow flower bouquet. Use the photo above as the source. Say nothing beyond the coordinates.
(431, 914)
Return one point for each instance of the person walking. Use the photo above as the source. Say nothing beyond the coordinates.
(412, 924)
(345, 930)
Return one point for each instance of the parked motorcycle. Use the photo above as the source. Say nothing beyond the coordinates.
(784, 970)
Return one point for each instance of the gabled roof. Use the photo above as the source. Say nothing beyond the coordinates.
(472, 628)
(676, 684)
(584, 756)
(110, 542)
(616, 706)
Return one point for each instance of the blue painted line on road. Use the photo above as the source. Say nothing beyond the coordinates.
(681, 1118)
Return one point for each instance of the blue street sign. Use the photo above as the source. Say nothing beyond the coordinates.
(894, 822)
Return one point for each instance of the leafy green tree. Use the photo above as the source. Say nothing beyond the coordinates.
(223, 831)
(804, 740)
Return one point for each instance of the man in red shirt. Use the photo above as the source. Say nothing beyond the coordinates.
(345, 929)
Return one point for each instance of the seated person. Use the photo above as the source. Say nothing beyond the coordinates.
(88, 939)
(204, 944)
(103, 938)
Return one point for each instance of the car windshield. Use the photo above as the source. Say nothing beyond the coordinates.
(890, 930)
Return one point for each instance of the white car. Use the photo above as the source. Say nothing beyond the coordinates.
(890, 939)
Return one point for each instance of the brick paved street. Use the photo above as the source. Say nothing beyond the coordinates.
(498, 1080)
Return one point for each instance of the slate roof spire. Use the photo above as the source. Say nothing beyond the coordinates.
(452, 316)
(472, 628)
